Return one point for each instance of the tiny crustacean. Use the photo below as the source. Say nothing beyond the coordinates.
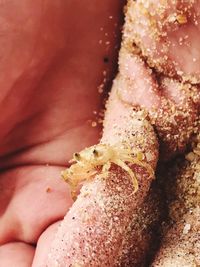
(97, 160)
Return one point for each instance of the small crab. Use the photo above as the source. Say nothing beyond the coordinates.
(97, 160)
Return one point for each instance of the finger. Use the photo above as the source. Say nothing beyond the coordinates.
(176, 120)
(167, 33)
(16, 254)
(43, 245)
(143, 235)
(31, 199)
(93, 231)
(180, 245)
(117, 128)
(170, 103)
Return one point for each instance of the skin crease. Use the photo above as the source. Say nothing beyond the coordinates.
(51, 66)
(47, 66)
(171, 92)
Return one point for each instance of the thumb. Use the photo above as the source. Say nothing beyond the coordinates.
(92, 232)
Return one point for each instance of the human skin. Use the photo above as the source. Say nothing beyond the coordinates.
(50, 65)
(137, 73)
(93, 232)
(152, 47)
(133, 75)
(181, 242)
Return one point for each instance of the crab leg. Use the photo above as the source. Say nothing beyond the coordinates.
(93, 232)
(106, 167)
(130, 172)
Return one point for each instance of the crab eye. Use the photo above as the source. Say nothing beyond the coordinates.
(77, 156)
(95, 153)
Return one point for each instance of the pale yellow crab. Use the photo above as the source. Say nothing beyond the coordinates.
(98, 159)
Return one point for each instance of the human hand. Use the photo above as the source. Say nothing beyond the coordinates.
(160, 60)
(54, 56)
(51, 73)
(165, 98)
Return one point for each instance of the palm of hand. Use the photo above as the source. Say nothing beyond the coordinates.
(48, 98)
(49, 92)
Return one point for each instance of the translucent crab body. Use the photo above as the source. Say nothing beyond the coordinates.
(98, 159)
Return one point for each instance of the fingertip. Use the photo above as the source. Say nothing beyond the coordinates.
(137, 84)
